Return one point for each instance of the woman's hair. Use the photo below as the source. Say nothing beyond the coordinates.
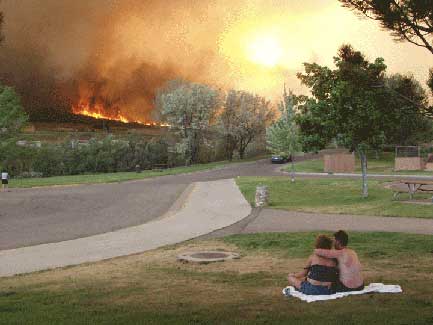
(323, 242)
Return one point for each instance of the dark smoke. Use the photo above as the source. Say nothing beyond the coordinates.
(56, 53)
(120, 90)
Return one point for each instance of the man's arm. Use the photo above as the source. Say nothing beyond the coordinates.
(328, 253)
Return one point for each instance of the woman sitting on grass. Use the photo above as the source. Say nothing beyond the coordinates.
(320, 273)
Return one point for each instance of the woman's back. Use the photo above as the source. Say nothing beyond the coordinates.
(323, 270)
(319, 274)
(315, 259)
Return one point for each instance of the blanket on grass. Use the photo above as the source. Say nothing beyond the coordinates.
(371, 288)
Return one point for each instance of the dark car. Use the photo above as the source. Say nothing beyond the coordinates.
(280, 159)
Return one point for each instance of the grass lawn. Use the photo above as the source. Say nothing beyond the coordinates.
(153, 288)
(383, 165)
(115, 177)
(334, 196)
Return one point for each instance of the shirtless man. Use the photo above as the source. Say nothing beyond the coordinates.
(348, 263)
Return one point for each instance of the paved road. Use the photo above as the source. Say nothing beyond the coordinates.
(207, 207)
(44, 215)
(52, 214)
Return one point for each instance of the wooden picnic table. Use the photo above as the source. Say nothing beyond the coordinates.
(417, 185)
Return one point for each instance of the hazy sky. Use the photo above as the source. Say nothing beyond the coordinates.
(312, 31)
(121, 51)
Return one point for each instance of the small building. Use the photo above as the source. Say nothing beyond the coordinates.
(339, 162)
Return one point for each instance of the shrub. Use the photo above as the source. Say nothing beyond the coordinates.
(16, 159)
(49, 161)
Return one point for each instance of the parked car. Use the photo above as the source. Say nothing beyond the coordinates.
(280, 159)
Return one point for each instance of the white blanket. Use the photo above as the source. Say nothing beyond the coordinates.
(372, 287)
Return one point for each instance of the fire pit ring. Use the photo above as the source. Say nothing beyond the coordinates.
(207, 256)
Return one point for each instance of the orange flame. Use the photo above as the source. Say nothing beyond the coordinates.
(97, 111)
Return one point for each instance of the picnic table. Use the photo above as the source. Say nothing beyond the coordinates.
(414, 186)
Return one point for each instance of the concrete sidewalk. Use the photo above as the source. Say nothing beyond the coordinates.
(358, 175)
(273, 220)
(276, 220)
(208, 207)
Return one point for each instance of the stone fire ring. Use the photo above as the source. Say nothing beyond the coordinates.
(207, 256)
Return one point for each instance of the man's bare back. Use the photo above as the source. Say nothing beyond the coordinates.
(348, 265)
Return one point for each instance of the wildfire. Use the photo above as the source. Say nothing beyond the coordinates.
(98, 112)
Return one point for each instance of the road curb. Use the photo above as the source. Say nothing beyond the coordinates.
(209, 206)
(179, 204)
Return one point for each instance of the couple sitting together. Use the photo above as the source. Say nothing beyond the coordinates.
(330, 270)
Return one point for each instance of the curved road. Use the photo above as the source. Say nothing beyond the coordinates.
(51, 214)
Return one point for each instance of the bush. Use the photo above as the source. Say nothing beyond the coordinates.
(15, 159)
(108, 155)
(49, 161)
(30, 175)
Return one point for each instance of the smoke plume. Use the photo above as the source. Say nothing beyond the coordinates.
(113, 54)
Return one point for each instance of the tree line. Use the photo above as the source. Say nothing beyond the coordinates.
(355, 104)
(407, 20)
(196, 111)
(206, 124)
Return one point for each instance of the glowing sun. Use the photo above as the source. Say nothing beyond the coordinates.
(265, 51)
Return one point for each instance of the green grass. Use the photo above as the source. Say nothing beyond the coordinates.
(383, 165)
(114, 177)
(153, 288)
(368, 245)
(334, 196)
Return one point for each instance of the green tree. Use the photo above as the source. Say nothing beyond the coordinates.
(405, 100)
(244, 118)
(316, 129)
(12, 115)
(190, 109)
(408, 20)
(282, 137)
(346, 104)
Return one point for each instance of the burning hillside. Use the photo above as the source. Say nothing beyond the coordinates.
(63, 58)
(98, 111)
